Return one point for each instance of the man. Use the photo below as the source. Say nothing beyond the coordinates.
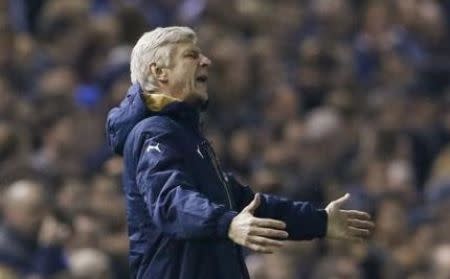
(186, 217)
(30, 240)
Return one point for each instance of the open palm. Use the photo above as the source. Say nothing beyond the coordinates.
(347, 224)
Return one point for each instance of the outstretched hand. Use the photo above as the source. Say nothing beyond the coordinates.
(258, 234)
(347, 224)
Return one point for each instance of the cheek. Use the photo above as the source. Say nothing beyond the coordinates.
(184, 73)
(191, 75)
(192, 72)
(190, 68)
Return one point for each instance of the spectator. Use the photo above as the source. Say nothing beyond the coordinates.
(30, 240)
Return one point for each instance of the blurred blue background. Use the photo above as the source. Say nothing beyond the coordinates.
(309, 99)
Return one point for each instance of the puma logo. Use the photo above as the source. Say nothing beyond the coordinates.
(200, 152)
(153, 147)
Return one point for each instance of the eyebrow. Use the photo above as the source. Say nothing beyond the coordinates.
(193, 50)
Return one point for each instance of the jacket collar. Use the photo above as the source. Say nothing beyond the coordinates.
(186, 113)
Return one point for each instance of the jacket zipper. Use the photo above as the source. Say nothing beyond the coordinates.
(215, 163)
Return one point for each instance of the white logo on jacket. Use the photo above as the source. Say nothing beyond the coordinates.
(153, 147)
(200, 152)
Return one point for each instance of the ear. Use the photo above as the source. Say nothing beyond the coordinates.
(159, 73)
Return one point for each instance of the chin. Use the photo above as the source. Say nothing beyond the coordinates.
(201, 96)
(198, 98)
(204, 96)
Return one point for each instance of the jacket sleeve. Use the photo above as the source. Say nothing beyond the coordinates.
(303, 220)
(174, 203)
(121, 120)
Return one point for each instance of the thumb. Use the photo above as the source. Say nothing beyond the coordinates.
(339, 202)
(251, 207)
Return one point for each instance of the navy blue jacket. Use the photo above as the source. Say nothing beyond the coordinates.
(179, 201)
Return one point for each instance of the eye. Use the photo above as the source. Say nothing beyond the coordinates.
(193, 55)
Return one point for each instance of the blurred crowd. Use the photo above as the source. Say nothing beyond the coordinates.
(309, 99)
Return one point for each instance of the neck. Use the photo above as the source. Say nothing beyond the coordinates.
(157, 100)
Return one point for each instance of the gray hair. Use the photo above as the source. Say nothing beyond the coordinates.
(156, 47)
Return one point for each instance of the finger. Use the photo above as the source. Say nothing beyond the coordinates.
(264, 241)
(355, 214)
(251, 207)
(260, 249)
(269, 233)
(361, 224)
(358, 232)
(269, 223)
(339, 202)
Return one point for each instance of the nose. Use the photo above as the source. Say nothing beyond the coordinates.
(204, 61)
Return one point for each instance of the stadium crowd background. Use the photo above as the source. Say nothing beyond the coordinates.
(309, 99)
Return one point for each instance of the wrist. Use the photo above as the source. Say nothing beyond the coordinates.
(224, 223)
(323, 230)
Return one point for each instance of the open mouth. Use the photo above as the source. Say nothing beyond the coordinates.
(202, 78)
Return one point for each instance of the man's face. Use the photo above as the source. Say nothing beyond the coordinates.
(26, 213)
(188, 73)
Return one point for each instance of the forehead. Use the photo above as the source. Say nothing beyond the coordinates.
(184, 47)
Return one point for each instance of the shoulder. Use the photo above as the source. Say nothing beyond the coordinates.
(6, 239)
(158, 129)
(11, 250)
